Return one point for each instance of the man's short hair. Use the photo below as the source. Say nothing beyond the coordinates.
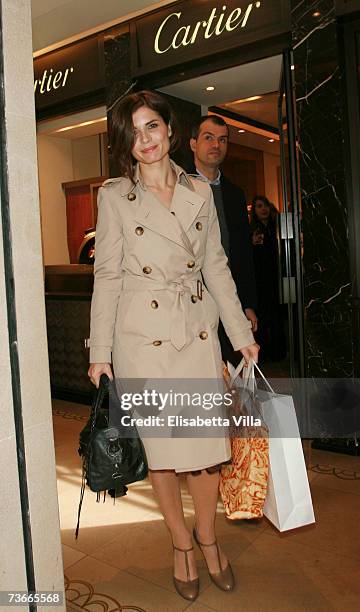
(216, 119)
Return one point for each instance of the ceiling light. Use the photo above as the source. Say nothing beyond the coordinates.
(242, 100)
(241, 131)
(271, 140)
(316, 14)
(210, 88)
(72, 127)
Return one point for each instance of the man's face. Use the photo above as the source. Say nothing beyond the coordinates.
(210, 147)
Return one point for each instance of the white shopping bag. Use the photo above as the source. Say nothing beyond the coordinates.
(288, 503)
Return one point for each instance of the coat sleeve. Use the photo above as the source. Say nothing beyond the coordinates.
(107, 277)
(220, 284)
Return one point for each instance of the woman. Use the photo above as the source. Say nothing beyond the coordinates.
(157, 239)
(270, 333)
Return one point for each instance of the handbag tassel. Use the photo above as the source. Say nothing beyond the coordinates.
(82, 492)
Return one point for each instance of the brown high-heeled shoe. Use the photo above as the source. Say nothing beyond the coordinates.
(188, 589)
(224, 579)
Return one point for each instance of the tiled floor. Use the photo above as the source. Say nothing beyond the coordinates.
(123, 557)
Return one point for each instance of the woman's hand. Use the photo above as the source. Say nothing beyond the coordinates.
(257, 237)
(95, 371)
(250, 352)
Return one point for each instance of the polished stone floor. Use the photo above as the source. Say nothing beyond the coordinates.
(122, 559)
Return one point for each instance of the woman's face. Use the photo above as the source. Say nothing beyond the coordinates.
(262, 210)
(151, 136)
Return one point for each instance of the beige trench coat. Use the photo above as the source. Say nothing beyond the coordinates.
(151, 313)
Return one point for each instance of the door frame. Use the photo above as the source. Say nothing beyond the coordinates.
(287, 89)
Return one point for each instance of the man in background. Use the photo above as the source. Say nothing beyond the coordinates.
(209, 143)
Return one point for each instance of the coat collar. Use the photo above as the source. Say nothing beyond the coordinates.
(181, 176)
(186, 205)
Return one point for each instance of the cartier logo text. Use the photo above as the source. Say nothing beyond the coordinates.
(216, 23)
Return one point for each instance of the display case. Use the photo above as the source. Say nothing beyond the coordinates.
(68, 291)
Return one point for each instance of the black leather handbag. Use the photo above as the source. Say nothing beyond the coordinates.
(113, 455)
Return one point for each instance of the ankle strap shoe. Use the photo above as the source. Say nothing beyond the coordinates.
(188, 589)
(224, 579)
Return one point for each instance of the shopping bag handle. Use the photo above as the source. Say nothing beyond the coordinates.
(239, 368)
(264, 378)
(249, 373)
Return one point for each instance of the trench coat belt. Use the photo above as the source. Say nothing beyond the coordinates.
(180, 286)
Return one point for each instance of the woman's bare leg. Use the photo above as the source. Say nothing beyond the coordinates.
(166, 486)
(204, 489)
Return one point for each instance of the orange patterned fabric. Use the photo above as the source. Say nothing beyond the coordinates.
(243, 482)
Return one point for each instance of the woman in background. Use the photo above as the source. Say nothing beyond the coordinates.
(263, 227)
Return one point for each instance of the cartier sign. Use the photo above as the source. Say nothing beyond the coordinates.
(194, 28)
(215, 24)
(73, 72)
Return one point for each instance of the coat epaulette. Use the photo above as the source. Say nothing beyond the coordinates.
(125, 185)
(112, 180)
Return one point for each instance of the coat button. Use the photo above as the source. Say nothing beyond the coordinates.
(139, 231)
(157, 343)
(203, 335)
(154, 304)
(194, 299)
(131, 196)
(198, 226)
(190, 264)
(147, 270)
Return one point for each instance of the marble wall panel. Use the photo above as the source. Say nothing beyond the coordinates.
(319, 85)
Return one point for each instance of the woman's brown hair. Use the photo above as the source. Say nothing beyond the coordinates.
(254, 220)
(122, 129)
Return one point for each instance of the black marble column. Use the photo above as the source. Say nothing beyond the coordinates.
(327, 281)
(117, 72)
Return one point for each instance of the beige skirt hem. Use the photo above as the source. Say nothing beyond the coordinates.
(193, 468)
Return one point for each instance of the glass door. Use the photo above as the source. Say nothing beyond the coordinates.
(290, 246)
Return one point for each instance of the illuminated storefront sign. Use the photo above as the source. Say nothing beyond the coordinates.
(74, 72)
(49, 80)
(214, 25)
(194, 29)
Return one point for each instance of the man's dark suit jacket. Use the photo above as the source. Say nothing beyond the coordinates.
(241, 253)
(240, 257)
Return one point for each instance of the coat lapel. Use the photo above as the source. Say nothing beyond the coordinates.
(153, 215)
(186, 204)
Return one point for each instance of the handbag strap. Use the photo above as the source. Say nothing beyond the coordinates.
(99, 397)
